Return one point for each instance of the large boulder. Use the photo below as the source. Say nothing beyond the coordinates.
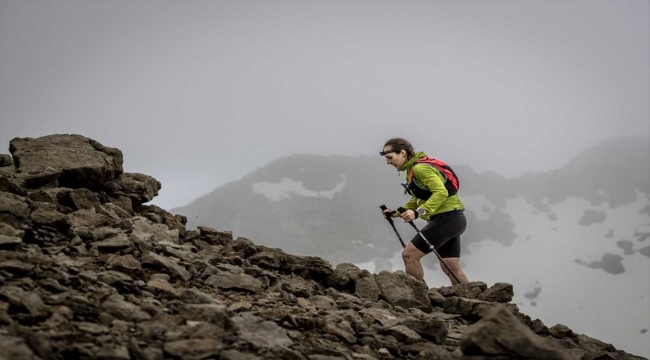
(400, 289)
(501, 335)
(72, 161)
(139, 188)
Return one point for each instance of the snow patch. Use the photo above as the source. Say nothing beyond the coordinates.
(287, 188)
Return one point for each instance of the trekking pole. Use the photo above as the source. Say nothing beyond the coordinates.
(430, 246)
(390, 220)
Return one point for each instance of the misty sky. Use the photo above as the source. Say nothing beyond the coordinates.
(200, 93)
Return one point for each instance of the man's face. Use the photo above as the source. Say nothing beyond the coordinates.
(395, 159)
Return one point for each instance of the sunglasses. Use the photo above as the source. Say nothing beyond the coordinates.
(384, 153)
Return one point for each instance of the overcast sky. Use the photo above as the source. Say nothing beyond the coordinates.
(200, 93)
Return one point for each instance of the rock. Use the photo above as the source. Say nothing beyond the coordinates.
(48, 216)
(13, 209)
(159, 262)
(8, 230)
(113, 352)
(403, 290)
(260, 333)
(344, 277)
(72, 161)
(113, 244)
(139, 188)
(16, 267)
(23, 300)
(148, 232)
(560, 331)
(499, 333)
(435, 297)
(193, 349)
(428, 327)
(214, 237)
(125, 310)
(215, 314)
(236, 355)
(15, 348)
(6, 160)
(367, 288)
(403, 334)
(466, 307)
(470, 290)
(226, 280)
(89, 219)
(500, 292)
(126, 264)
(196, 296)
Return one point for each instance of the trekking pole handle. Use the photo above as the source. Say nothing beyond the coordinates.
(402, 211)
(383, 207)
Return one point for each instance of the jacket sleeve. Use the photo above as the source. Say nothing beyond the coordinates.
(412, 204)
(431, 178)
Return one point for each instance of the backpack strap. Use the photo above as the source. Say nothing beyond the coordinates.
(425, 161)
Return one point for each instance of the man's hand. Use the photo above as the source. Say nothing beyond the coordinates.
(389, 212)
(408, 215)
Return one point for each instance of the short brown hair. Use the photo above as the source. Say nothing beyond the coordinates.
(399, 144)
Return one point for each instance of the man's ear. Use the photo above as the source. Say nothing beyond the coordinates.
(403, 152)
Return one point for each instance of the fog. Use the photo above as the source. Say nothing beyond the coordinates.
(199, 93)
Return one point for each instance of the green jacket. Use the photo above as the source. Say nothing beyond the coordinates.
(431, 178)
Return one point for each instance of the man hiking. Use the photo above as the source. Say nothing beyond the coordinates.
(433, 188)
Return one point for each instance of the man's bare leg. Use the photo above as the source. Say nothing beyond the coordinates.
(454, 265)
(411, 256)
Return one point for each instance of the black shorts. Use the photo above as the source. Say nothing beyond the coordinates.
(443, 232)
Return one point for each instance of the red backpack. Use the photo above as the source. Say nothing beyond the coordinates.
(451, 180)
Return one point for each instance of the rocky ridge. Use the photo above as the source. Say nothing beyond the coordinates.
(89, 271)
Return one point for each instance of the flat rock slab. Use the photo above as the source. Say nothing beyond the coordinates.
(73, 161)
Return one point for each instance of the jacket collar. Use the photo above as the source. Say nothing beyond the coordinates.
(409, 164)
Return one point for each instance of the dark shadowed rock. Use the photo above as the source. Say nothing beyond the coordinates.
(193, 349)
(240, 281)
(466, 307)
(89, 219)
(13, 209)
(399, 288)
(79, 199)
(161, 216)
(435, 297)
(260, 333)
(125, 310)
(72, 161)
(12, 184)
(500, 335)
(14, 348)
(24, 302)
(6, 160)
(499, 292)
(7, 242)
(367, 288)
(139, 188)
(344, 277)
(427, 326)
(471, 290)
(214, 237)
(163, 263)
